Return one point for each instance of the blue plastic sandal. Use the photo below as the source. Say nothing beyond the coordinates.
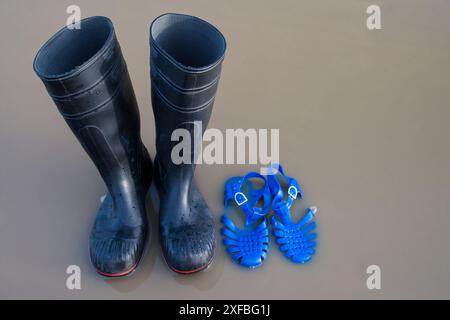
(295, 240)
(248, 246)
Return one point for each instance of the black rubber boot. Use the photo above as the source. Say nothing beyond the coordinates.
(85, 74)
(186, 59)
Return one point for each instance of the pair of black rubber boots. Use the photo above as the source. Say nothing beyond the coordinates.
(85, 74)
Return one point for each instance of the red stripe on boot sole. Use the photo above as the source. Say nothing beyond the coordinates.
(121, 274)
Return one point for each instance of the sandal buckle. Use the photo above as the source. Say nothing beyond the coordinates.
(240, 198)
(293, 192)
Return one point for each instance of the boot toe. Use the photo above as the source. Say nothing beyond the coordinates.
(115, 257)
(188, 249)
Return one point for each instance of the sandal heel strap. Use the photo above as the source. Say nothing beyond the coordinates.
(294, 190)
(233, 191)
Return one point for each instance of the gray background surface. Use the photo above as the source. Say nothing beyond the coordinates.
(364, 119)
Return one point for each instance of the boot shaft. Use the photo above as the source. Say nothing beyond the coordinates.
(186, 55)
(186, 50)
(86, 76)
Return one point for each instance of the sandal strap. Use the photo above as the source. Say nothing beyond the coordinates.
(278, 205)
(233, 191)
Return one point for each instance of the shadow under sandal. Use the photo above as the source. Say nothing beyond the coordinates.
(185, 64)
(247, 246)
(295, 240)
(86, 76)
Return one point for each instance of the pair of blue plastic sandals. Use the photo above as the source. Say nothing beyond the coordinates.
(249, 246)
